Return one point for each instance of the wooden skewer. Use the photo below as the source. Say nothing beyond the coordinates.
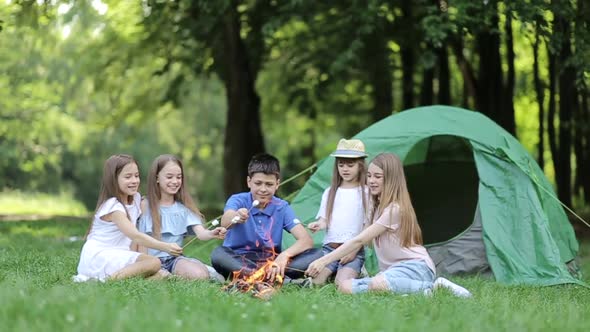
(208, 228)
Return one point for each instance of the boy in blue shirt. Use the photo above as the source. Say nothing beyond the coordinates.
(255, 232)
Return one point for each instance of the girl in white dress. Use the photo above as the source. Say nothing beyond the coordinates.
(170, 214)
(107, 252)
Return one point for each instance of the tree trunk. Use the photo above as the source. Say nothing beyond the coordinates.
(507, 115)
(489, 96)
(578, 140)
(379, 71)
(407, 55)
(426, 89)
(539, 89)
(470, 84)
(582, 25)
(243, 134)
(567, 102)
(444, 77)
(585, 166)
(465, 96)
(552, 135)
(408, 58)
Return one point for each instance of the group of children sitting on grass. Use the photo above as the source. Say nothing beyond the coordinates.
(130, 236)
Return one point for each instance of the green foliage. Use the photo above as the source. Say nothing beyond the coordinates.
(82, 80)
(86, 91)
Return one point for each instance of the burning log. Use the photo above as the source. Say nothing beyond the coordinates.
(263, 290)
(257, 284)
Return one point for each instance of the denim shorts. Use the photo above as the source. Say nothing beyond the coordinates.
(356, 264)
(412, 276)
(169, 262)
(398, 276)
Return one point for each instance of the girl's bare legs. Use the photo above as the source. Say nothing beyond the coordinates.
(344, 274)
(345, 286)
(144, 266)
(190, 269)
(161, 274)
(379, 284)
(374, 284)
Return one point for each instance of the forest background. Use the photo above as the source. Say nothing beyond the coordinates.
(216, 81)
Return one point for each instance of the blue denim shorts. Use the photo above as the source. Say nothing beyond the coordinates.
(398, 276)
(356, 264)
(169, 262)
(412, 276)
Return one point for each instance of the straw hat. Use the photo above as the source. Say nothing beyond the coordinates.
(350, 148)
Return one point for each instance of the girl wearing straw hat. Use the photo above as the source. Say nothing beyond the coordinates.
(342, 210)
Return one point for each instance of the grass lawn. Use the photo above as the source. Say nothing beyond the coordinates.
(38, 259)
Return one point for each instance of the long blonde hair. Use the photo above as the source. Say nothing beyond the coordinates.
(395, 191)
(337, 181)
(109, 184)
(154, 194)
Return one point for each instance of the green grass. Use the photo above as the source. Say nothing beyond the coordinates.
(38, 259)
(14, 203)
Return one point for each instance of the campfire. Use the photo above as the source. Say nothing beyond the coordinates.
(256, 283)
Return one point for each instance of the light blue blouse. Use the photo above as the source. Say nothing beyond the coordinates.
(177, 221)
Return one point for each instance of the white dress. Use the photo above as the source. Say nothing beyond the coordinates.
(107, 249)
(348, 214)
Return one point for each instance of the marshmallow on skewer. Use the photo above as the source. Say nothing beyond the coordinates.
(236, 217)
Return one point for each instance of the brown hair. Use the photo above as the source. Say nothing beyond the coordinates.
(337, 181)
(109, 185)
(395, 191)
(264, 163)
(154, 193)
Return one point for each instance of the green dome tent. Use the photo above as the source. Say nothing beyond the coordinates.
(482, 202)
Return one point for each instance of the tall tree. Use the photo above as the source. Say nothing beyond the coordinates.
(567, 103)
(582, 132)
(408, 51)
(444, 76)
(224, 38)
(490, 91)
(243, 133)
(507, 111)
(540, 94)
(377, 61)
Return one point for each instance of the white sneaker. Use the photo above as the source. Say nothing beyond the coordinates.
(453, 287)
(80, 278)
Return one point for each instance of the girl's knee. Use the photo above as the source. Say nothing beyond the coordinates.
(191, 270)
(153, 264)
(378, 283)
(344, 286)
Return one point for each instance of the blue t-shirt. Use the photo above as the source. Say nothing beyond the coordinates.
(177, 221)
(264, 228)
